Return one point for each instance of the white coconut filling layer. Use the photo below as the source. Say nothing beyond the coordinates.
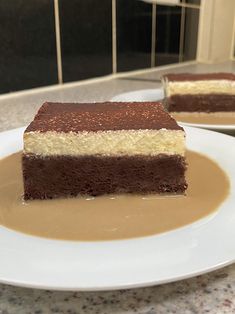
(108, 143)
(200, 87)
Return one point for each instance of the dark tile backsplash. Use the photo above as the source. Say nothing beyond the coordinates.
(27, 44)
(86, 38)
(134, 31)
(190, 34)
(28, 51)
(197, 2)
(167, 34)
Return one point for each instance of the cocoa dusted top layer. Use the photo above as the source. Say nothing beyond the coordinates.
(78, 117)
(178, 77)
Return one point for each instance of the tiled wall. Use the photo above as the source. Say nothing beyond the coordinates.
(94, 38)
(86, 38)
(27, 44)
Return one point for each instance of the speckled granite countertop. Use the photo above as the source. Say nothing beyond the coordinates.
(210, 293)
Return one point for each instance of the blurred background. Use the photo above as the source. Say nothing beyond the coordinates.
(47, 42)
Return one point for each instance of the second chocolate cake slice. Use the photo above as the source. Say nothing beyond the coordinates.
(204, 92)
(101, 148)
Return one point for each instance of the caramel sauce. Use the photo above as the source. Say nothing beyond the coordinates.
(227, 118)
(111, 217)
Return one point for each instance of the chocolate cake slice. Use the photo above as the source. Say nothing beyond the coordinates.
(208, 93)
(101, 148)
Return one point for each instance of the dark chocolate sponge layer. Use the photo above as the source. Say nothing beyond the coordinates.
(65, 176)
(201, 103)
(182, 77)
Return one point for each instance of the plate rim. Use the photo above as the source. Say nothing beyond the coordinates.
(114, 287)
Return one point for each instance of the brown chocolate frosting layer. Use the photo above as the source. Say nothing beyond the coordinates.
(77, 117)
(66, 176)
(177, 77)
(201, 103)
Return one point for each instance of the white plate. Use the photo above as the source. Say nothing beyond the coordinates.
(158, 94)
(65, 265)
